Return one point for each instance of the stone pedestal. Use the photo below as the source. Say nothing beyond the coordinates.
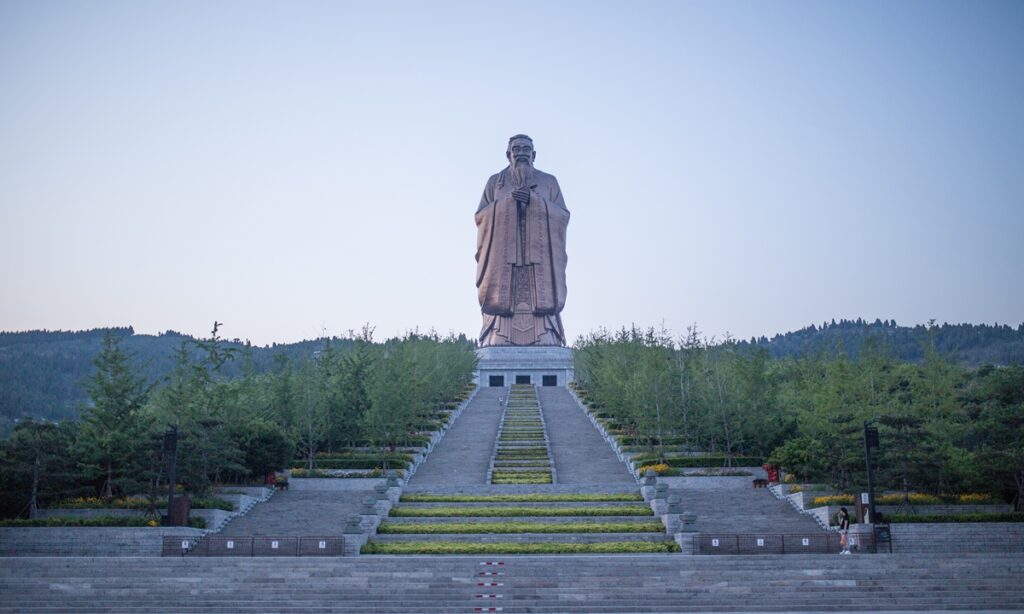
(685, 541)
(541, 365)
(671, 522)
(659, 502)
(353, 536)
(380, 492)
(647, 484)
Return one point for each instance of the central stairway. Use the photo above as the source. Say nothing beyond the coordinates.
(522, 454)
(555, 486)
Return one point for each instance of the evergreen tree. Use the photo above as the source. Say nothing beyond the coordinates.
(107, 447)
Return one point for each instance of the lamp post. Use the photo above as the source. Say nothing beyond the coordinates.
(171, 447)
(870, 441)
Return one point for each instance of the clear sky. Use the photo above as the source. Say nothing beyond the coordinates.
(295, 168)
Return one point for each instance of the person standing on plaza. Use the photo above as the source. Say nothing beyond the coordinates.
(844, 527)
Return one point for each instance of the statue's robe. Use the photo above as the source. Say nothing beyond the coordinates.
(521, 287)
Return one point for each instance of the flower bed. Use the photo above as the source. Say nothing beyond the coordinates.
(516, 548)
(522, 527)
(454, 512)
(300, 473)
(660, 469)
(523, 498)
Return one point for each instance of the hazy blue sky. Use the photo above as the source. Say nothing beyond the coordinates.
(292, 168)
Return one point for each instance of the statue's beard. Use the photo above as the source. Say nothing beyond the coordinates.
(522, 171)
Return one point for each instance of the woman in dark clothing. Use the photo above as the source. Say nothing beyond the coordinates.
(844, 526)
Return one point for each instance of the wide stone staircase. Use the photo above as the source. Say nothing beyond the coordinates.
(728, 504)
(581, 455)
(520, 510)
(292, 512)
(512, 584)
(463, 456)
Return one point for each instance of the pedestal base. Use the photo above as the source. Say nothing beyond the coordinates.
(505, 365)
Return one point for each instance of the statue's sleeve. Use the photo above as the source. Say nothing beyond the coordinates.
(485, 230)
(555, 194)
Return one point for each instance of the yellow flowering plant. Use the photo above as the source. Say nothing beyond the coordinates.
(832, 500)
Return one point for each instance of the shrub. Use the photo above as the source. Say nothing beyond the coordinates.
(85, 503)
(300, 473)
(916, 498)
(137, 503)
(212, 503)
(64, 521)
(717, 473)
(358, 463)
(699, 461)
(832, 500)
(514, 548)
(660, 469)
(976, 499)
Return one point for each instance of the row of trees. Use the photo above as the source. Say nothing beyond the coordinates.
(231, 429)
(943, 428)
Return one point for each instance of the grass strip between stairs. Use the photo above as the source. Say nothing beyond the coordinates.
(515, 548)
(521, 527)
(520, 498)
(452, 512)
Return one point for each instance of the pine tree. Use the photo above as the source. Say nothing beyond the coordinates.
(107, 445)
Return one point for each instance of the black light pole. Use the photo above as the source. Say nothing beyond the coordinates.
(171, 446)
(870, 441)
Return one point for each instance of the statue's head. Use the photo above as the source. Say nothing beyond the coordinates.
(520, 150)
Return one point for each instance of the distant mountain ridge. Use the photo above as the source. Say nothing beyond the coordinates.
(41, 371)
(966, 344)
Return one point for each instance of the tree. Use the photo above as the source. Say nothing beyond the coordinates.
(36, 465)
(107, 445)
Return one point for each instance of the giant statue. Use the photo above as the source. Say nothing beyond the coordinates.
(520, 253)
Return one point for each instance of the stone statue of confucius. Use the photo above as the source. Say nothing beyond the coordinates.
(520, 253)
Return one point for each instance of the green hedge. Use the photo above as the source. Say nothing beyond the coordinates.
(362, 463)
(523, 498)
(300, 473)
(700, 461)
(652, 526)
(138, 503)
(966, 517)
(98, 521)
(637, 441)
(212, 503)
(493, 512)
(514, 548)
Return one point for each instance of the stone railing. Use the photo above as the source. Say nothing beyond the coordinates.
(436, 437)
(610, 439)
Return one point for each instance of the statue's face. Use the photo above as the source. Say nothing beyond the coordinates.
(521, 150)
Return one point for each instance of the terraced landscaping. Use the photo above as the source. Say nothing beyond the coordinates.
(522, 454)
(521, 508)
